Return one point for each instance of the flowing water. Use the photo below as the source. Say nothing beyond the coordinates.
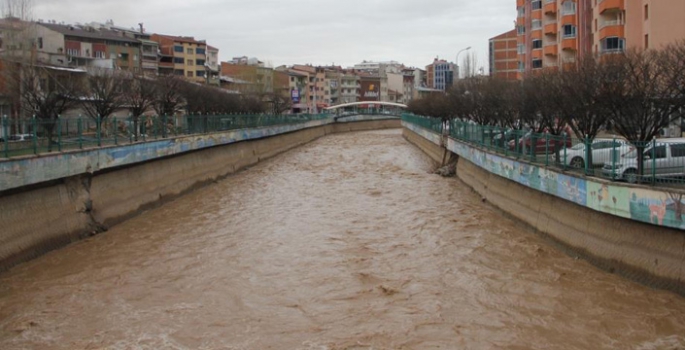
(346, 243)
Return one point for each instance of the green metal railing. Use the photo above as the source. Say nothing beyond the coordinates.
(36, 136)
(609, 156)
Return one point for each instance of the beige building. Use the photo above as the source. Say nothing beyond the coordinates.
(654, 23)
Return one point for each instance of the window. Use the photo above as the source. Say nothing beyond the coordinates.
(178, 48)
(520, 30)
(178, 72)
(135, 57)
(522, 66)
(99, 54)
(200, 51)
(537, 44)
(536, 4)
(658, 151)
(72, 52)
(536, 24)
(189, 62)
(521, 11)
(190, 74)
(568, 8)
(678, 150)
(569, 31)
(189, 51)
(40, 43)
(646, 41)
(613, 44)
(200, 74)
(179, 60)
(521, 49)
(200, 62)
(646, 12)
(537, 64)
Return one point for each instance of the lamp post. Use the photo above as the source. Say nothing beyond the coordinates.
(458, 69)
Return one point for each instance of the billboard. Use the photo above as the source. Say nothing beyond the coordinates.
(370, 90)
(295, 95)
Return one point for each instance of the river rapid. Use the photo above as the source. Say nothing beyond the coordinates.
(349, 242)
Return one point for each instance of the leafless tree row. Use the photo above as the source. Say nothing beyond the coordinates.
(637, 94)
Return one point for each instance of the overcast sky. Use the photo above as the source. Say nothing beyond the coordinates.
(320, 32)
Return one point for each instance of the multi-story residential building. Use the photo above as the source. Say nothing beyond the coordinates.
(554, 33)
(408, 88)
(349, 87)
(503, 56)
(440, 74)
(298, 87)
(148, 49)
(182, 56)
(212, 64)
(258, 79)
(85, 46)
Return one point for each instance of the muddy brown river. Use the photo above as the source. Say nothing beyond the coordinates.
(346, 243)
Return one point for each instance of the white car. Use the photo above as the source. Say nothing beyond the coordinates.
(602, 152)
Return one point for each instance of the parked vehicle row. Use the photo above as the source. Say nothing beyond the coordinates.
(663, 158)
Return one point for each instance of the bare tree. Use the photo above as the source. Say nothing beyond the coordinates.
(642, 97)
(46, 94)
(22, 9)
(470, 65)
(139, 96)
(168, 99)
(280, 102)
(104, 94)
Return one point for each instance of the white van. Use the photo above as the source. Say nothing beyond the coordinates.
(668, 162)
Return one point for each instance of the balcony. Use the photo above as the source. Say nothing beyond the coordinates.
(536, 54)
(611, 5)
(551, 50)
(550, 7)
(569, 43)
(612, 29)
(551, 29)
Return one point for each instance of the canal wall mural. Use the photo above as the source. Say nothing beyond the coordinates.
(656, 206)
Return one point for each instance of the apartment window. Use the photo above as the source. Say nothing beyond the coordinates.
(520, 30)
(40, 43)
(190, 74)
(646, 41)
(646, 12)
(536, 24)
(72, 52)
(537, 64)
(521, 11)
(135, 57)
(522, 66)
(536, 4)
(99, 54)
(521, 49)
(179, 60)
(200, 74)
(178, 48)
(200, 62)
(178, 72)
(569, 31)
(189, 62)
(200, 51)
(613, 44)
(568, 8)
(537, 44)
(189, 51)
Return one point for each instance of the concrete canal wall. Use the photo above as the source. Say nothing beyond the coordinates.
(564, 208)
(50, 201)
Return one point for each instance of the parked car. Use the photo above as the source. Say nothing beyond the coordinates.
(668, 161)
(603, 151)
(20, 137)
(543, 144)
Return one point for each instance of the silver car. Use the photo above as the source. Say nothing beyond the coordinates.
(668, 161)
(603, 151)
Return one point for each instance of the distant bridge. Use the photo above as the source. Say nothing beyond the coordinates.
(376, 108)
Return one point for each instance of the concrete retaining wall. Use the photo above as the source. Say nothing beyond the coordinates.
(647, 253)
(39, 218)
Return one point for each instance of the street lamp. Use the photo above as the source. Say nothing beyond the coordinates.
(460, 51)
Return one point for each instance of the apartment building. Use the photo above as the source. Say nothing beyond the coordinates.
(503, 56)
(349, 87)
(85, 47)
(554, 33)
(440, 74)
(182, 56)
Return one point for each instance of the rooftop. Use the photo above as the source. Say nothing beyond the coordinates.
(88, 32)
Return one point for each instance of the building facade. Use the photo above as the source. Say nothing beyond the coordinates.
(555, 33)
(503, 56)
(182, 56)
(440, 75)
